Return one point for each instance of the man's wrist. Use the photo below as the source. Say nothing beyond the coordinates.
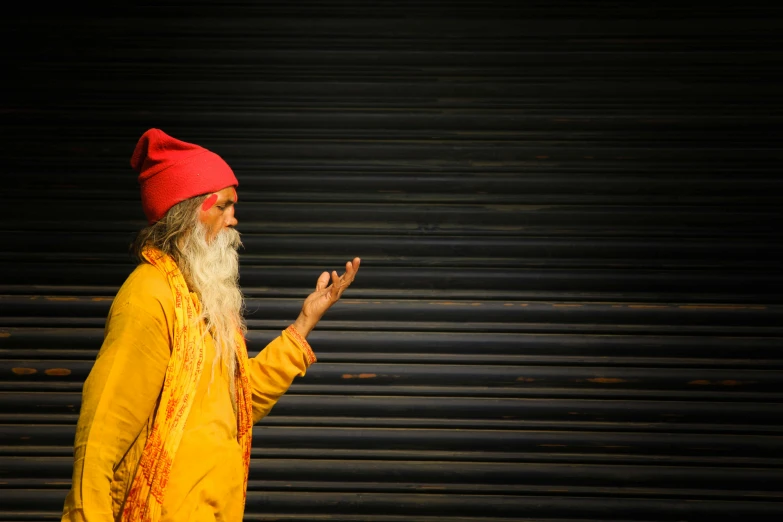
(303, 325)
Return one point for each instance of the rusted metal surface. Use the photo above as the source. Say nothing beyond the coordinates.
(571, 298)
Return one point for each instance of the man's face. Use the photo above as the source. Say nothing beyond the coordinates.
(217, 212)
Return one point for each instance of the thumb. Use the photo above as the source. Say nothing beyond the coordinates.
(323, 280)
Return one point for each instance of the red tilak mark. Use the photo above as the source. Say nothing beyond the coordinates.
(209, 203)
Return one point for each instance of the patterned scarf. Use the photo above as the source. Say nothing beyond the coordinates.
(145, 499)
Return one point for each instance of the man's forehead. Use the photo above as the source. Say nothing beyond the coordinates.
(227, 193)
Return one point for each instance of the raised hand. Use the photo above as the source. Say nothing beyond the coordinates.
(317, 303)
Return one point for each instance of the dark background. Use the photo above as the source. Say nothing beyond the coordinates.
(569, 218)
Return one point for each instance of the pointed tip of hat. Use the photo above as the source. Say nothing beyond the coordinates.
(153, 131)
(140, 151)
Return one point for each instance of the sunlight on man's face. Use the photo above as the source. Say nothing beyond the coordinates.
(217, 212)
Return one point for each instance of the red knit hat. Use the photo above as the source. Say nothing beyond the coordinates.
(171, 171)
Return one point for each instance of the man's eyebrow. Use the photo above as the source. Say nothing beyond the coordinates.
(227, 203)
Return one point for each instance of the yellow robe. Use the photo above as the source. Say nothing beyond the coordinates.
(119, 401)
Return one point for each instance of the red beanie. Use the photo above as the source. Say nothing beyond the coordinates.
(171, 171)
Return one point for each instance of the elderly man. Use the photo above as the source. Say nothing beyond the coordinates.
(165, 428)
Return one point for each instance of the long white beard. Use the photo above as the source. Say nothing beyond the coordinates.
(212, 270)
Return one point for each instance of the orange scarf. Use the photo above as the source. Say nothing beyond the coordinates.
(145, 499)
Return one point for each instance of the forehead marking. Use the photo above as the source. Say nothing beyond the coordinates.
(209, 202)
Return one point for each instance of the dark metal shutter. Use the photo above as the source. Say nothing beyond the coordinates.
(569, 216)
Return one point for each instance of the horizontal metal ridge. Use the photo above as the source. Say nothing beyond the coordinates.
(652, 296)
(405, 373)
(564, 441)
(556, 503)
(413, 456)
(402, 343)
(432, 326)
(346, 474)
(445, 408)
(457, 357)
(514, 312)
(720, 391)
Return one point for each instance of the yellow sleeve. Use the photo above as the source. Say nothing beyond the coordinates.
(273, 370)
(119, 396)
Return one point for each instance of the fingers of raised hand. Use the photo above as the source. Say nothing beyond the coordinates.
(340, 283)
(351, 267)
(331, 290)
(323, 280)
